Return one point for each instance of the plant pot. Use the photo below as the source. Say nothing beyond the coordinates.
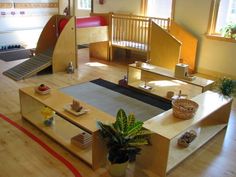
(118, 169)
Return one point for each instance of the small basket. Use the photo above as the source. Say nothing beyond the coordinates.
(184, 108)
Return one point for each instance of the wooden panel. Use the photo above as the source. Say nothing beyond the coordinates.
(188, 47)
(164, 48)
(6, 5)
(154, 158)
(36, 5)
(65, 50)
(99, 50)
(91, 35)
(48, 36)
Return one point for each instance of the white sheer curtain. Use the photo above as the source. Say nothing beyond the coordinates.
(159, 8)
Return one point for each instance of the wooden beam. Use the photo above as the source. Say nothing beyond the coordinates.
(36, 5)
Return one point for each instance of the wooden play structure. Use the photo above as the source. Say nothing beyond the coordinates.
(56, 47)
(164, 42)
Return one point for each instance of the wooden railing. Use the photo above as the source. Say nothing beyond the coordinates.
(132, 31)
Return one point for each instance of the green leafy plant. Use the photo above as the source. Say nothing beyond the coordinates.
(229, 31)
(124, 137)
(227, 86)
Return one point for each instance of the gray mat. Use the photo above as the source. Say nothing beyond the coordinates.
(110, 101)
(12, 55)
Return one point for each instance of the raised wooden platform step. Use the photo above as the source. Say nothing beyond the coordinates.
(29, 67)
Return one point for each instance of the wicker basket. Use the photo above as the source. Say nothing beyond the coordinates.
(184, 108)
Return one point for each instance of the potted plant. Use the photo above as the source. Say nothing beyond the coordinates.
(229, 31)
(124, 139)
(226, 87)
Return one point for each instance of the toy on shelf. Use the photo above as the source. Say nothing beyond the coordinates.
(42, 89)
(187, 138)
(48, 115)
(145, 87)
(75, 108)
(82, 140)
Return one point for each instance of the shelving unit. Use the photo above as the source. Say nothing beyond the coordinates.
(212, 116)
(162, 80)
(159, 158)
(66, 125)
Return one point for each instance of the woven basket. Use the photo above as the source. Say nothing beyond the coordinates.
(184, 108)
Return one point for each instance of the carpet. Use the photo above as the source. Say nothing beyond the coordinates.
(12, 55)
(110, 97)
(43, 145)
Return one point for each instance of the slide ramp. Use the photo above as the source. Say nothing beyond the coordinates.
(29, 67)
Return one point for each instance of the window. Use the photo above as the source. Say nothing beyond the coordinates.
(223, 16)
(84, 4)
(157, 8)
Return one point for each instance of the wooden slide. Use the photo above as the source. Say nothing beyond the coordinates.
(56, 47)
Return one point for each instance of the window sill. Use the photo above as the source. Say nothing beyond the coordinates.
(219, 38)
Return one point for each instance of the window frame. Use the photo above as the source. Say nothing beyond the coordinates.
(211, 31)
(83, 8)
(144, 6)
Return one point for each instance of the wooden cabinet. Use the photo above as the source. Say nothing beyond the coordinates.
(162, 80)
(164, 153)
(66, 125)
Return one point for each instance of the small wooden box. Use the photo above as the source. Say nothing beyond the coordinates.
(181, 70)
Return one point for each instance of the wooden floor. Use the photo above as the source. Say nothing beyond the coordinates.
(20, 156)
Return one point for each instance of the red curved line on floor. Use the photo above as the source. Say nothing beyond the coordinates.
(45, 146)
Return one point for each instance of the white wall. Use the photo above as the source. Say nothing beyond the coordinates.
(25, 26)
(119, 6)
(214, 57)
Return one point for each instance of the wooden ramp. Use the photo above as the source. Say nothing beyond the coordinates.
(53, 49)
(30, 67)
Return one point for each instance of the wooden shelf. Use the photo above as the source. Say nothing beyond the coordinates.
(163, 87)
(66, 125)
(178, 154)
(163, 80)
(198, 81)
(61, 131)
(211, 117)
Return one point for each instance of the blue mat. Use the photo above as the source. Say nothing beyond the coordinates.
(110, 97)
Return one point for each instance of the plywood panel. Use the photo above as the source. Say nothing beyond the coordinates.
(6, 5)
(65, 50)
(48, 37)
(188, 47)
(164, 48)
(99, 50)
(91, 34)
(36, 5)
